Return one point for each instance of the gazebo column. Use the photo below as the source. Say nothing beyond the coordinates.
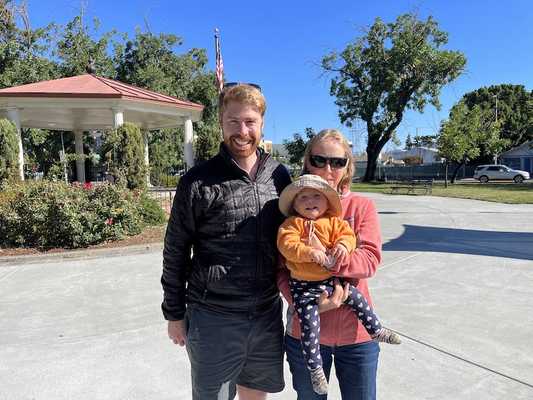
(146, 138)
(188, 150)
(14, 116)
(80, 160)
(118, 117)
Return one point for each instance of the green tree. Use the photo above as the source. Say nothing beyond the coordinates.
(467, 134)
(166, 153)
(394, 67)
(150, 61)
(296, 146)
(424, 140)
(123, 149)
(42, 147)
(78, 51)
(9, 152)
(208, 133)
(511, 106)
(408, 142)
(24, 52)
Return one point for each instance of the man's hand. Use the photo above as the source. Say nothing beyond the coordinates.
(176, 332)
(337, 298)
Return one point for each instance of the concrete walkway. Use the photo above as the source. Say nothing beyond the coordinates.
(456, 282)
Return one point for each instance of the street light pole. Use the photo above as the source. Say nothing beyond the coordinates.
(496, 119)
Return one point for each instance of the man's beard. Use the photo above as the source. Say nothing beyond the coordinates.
(241, 148)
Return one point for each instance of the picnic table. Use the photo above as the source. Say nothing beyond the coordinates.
(413, 186)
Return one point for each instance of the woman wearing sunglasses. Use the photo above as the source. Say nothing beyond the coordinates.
(343, 340)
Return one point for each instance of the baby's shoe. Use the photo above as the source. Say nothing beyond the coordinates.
(385, 335)
(319, 381)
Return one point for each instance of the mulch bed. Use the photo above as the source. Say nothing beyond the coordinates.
(153, 234)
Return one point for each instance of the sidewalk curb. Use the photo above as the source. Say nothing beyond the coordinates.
(73, 255)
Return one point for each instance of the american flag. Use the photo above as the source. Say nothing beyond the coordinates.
(219, 71)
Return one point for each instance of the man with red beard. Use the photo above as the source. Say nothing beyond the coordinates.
(220, 259)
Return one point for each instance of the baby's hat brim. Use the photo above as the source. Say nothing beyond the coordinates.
(312, 182)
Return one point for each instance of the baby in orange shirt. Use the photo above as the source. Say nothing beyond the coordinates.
(313, 209)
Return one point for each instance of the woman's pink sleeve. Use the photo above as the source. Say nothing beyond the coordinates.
(364, 260)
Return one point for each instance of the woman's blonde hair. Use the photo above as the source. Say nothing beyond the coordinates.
(337, 136)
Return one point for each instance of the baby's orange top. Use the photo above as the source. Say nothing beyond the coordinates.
(291, 235)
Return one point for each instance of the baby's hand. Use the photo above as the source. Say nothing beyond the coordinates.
(339, 251)
(310, 238)
(319, 257)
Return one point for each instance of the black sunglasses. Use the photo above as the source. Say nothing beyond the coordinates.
(334, 162)
(230, 84)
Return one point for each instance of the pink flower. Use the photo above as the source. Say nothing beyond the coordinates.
(109, 221)
(88, 185)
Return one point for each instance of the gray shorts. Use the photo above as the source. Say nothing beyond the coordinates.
(229, 349)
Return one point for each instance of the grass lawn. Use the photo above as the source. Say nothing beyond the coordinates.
(498, 192)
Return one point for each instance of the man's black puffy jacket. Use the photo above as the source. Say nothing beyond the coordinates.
(231, 223)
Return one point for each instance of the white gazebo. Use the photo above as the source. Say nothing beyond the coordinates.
(88, 102)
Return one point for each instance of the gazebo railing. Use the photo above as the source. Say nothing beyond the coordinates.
(164, 197)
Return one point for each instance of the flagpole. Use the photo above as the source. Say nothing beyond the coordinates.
(219, 67)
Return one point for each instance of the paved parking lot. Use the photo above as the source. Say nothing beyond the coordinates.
(456, 282)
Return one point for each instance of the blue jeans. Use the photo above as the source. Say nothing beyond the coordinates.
(355, 365)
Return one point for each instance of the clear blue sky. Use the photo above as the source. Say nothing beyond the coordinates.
(278, 44)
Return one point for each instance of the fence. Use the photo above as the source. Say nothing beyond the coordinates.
(164, 197)
(430, 171)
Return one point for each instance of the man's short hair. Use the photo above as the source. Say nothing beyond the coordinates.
(244, 94)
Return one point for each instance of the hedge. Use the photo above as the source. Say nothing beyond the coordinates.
(55, 214)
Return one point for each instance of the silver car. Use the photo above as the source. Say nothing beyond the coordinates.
(485, 173)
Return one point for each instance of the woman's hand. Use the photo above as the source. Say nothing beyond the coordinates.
(337, 298)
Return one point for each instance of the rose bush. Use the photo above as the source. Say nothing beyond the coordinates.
(55, 214)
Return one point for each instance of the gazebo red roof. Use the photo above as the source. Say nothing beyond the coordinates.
(92, 86)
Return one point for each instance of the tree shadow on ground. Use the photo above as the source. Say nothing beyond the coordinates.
(518, 245)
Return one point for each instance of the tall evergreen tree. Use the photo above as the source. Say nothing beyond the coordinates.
(9, 152)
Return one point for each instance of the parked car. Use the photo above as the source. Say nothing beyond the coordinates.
(485, 173)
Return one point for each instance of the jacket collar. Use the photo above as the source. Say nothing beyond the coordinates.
(230, 161)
